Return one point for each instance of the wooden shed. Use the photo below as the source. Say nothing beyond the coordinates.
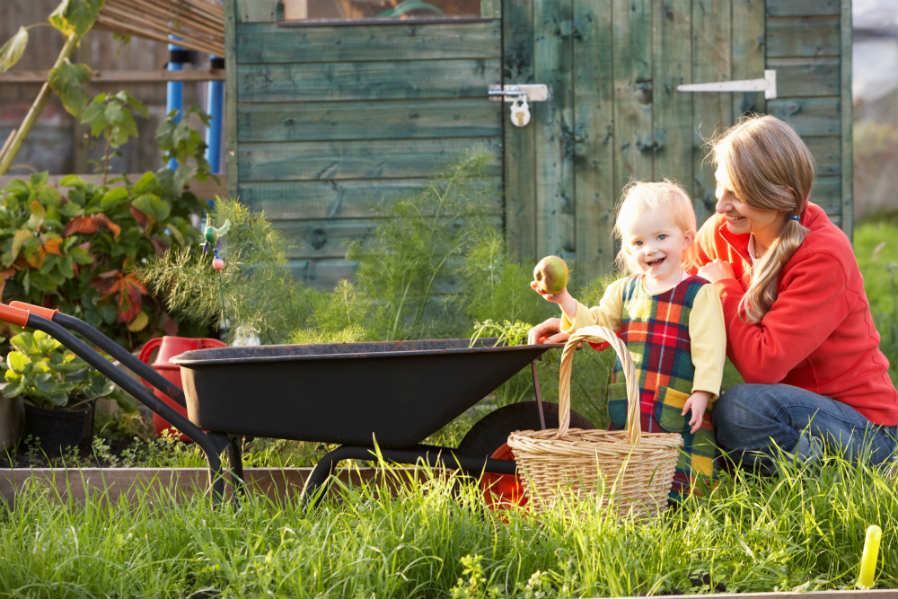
(327, 117)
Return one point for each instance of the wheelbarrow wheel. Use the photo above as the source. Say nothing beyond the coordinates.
(487, 438)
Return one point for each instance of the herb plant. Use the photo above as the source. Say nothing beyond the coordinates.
(47, 375)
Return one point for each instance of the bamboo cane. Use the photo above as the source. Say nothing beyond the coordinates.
(12, 147)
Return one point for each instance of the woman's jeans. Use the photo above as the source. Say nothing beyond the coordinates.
(752, 421)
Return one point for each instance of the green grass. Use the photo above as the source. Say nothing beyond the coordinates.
(802, 530)
(876, 248)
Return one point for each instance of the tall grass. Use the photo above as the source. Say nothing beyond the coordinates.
(876, 248)
(801, 530)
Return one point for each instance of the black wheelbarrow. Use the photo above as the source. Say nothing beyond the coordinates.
(384, 397)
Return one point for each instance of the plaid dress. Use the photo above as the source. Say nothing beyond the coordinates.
(656, 331)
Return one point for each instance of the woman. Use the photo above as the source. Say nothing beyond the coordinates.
(798, 322)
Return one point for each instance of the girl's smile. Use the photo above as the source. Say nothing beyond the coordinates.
(655, 245)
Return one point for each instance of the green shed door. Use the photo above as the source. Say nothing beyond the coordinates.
(330, 119)
(615, 115)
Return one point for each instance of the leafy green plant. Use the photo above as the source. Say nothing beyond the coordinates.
(76, 247)
(253, 289)
(47, 375)
(180, 142)
(111, 116)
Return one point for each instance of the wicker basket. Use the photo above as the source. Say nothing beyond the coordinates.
(631, 470)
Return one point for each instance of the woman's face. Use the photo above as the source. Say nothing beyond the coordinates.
(740, 216)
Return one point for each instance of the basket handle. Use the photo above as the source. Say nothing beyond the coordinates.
(596, 333)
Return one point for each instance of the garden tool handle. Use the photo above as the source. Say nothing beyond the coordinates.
(597, 333)
(35, 309)
(14, 315)
(106, 344)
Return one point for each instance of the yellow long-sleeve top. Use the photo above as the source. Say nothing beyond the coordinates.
(707, 331)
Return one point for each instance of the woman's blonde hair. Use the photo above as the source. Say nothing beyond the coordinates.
(639, 197)
(770, 168)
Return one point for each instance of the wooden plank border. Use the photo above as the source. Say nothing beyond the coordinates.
(847, 123)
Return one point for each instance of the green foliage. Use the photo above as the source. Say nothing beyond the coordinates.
(427, 534)
(876, 248)
(68, 80)
(76, 16)
(75, 247)
(13, 49)
(110, 116)
(47, 375)
(408, 267)
(180, 142)
(254, 289)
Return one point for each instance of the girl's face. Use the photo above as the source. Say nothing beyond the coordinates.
(741, 217)
(655, 244)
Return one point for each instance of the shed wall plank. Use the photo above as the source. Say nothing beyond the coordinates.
(711, 26)
(369, 120)
(554, 172)
(793, 8)
(748, 49)
(594, 193)
(373, 159)
(632, 31)
(366, 198)
(809, 116)
(847, 180)
(803, 36)
(806, 77)
(271, 44)
(367, 80)
(520, 142)
(672, 66)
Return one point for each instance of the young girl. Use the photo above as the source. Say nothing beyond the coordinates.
(672, 324)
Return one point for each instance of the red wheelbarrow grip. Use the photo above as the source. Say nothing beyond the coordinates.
(39, 310)
(14, 315)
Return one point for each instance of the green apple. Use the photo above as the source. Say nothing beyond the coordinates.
(551, 274)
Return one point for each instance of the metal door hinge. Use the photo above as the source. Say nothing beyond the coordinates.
(766, 85)
(532, 92)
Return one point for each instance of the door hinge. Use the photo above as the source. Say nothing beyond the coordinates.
(766, 85)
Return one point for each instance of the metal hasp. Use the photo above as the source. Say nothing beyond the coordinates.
(766, 85)
(532, 92)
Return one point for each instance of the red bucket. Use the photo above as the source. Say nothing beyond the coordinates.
(169, 347)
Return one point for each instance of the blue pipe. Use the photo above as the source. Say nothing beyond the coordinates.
(213, 132)
(174, 99)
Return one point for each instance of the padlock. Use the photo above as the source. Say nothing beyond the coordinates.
(520, 112)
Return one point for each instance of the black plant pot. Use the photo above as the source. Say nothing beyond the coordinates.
(61, 428)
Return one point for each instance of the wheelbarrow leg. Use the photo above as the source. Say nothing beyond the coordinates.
(235, 461)
(325, 467)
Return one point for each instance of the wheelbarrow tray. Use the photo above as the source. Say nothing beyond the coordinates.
(394, 393)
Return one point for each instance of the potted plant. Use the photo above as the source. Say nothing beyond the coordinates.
(59, 391)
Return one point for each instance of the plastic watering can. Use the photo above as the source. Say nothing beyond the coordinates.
(168, 347)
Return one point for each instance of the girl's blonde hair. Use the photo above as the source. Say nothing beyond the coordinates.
(770, 168)
(639, 197)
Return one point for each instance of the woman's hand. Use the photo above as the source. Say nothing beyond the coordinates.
(716, 270)
(548, 331)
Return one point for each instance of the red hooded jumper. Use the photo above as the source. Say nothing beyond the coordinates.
(819, 333)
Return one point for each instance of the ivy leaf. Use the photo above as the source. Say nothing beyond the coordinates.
(13, 49)
(139, 323)
(153, 206)
(20, 237)
(68, 80)
(76, 16)
(17, 361)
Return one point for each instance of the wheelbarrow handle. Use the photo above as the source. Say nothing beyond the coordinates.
(29, 318)
(108, 345)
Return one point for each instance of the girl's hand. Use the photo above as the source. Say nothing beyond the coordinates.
(555, 298)
(698, 403)
(548, 331)
(716, 270)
